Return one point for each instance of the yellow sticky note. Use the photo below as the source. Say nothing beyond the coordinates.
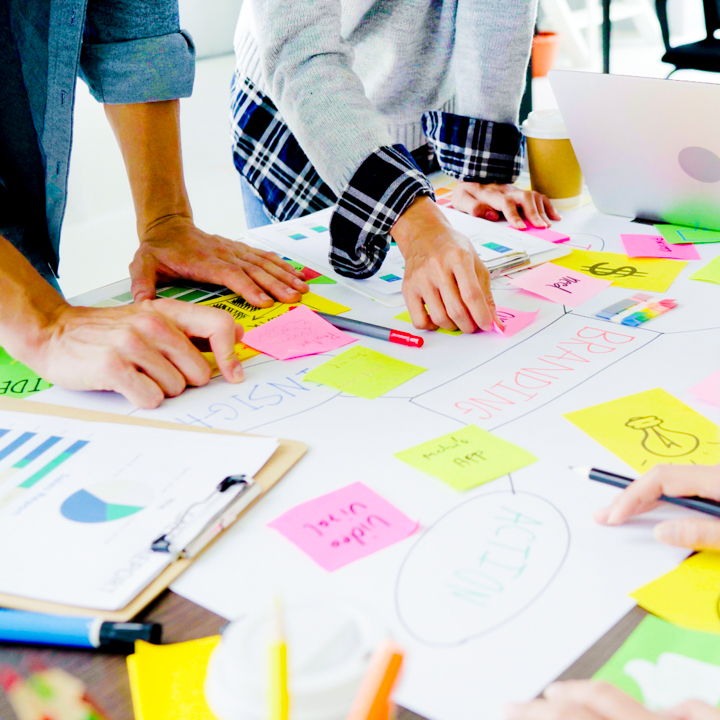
(405, 317)
(322, 304)
(688, 595)
(251, 317)
(167, 681)
(467, 458)
(650, 428)
(709, 273)
(654, 274)
(363, 372)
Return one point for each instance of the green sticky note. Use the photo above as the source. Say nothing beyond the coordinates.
(467, 458)
(18, 380)
(363, 372)
(405, 317)
(679, 234)
(708, 273)
(662, 665)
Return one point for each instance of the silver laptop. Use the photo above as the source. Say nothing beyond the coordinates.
(648, 148)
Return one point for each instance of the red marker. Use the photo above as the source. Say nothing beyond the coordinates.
(375, 331)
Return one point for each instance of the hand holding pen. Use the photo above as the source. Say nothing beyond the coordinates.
(694, 486)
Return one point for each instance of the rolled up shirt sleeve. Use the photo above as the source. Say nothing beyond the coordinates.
(134, 51)
(382, 188)
(475, 150)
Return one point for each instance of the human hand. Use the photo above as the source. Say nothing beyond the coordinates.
(673, 481)
(175, 248)
(590, 700)
(446, 285)
(142, 351)
(491, 200)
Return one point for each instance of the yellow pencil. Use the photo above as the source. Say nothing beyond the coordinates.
(279, 695)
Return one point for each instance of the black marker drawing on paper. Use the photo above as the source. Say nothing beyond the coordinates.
(601, 269)
(661, 441)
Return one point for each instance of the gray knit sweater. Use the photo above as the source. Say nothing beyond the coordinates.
(351, 76)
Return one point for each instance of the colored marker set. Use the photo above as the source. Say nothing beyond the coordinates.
(636, 310)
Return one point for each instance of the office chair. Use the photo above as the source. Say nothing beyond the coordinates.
(701, 55)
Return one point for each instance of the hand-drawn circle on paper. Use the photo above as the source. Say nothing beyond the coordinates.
(479, 566)
(700, 164)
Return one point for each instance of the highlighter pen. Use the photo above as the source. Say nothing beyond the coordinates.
(17, 626)
(375, 331)
(709, 507)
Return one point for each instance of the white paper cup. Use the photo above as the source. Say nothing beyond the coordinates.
(329, 649)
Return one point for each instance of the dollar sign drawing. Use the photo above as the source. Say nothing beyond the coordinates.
(602, 270)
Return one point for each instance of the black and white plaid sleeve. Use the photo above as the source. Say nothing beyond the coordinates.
(381, 189)
(474, 150)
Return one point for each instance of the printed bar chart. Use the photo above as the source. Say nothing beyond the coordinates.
(59, 460)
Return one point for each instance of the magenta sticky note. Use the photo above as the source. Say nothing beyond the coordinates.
(547, 234)
(709, 389)
(655, 246)
(296, 333)
(345, 525)
(559, 284)
(513, 320)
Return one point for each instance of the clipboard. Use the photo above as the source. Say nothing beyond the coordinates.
(286, 455)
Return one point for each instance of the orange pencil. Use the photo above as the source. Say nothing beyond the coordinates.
(372, 701)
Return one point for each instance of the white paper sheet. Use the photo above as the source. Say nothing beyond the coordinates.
(474, 642)
(307, 240)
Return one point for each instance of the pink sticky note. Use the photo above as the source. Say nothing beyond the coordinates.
(345, 525)
(547, 234)
(513, 320)
(709, 389)
(655, 246)
(560, 284)
(296, 333)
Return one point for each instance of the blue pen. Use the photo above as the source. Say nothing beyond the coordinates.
(17, 626)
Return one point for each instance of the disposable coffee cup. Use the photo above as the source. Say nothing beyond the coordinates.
(554, 169)
(329, 649)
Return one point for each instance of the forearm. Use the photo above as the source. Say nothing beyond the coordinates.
(492, 49)
(28, 305)
(149, 139)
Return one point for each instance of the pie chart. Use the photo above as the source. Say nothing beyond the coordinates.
(106, 502)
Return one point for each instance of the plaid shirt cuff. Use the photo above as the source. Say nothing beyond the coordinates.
(381, 189)
(474, 150)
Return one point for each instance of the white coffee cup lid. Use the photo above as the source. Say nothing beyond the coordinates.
(545, 125)
(329, 647)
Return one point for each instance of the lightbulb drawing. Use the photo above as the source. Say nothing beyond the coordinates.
(659, 440)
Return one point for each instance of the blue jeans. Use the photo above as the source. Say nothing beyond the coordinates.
(255, 214)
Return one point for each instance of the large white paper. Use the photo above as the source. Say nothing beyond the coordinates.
(307, 240)
(81, 502)
(482, 624)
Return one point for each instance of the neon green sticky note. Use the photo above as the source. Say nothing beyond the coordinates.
(467, 458)
(405, 317)
(678, 234)
(663, 665)
(18, 380)
(708, 273)
(363, 372)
